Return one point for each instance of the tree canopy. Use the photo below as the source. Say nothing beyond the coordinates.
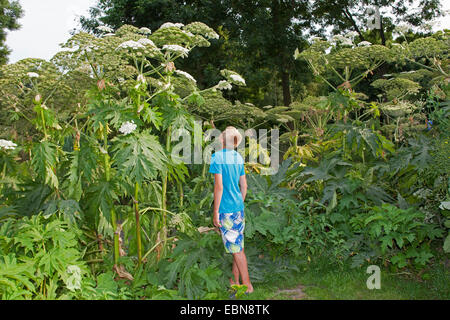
(258, 38)
(10, 12)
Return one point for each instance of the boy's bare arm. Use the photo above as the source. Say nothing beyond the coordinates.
(243, 184)
(218, 191)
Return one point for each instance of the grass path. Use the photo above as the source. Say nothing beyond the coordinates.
(322, 281)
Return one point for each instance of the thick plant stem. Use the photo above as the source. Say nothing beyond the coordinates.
(43, 124)
(180, 189)
(113, 212)
(138, 223)
(116, 236)
(163, 232)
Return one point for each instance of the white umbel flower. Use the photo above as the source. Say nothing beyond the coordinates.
(364, 44)
(32, 75)
(131, 45)
(224, 85)
(351, 34)
(109, 35)
(146, 42)
(190, 34)
(7, 145)
(337, 38)
(186, 75)
(141, 78)
(347, 42)
(105, 29)
(145, 30)
(176, 49)
(237, 79)
(128, 127)
(402, 29)
(170, 24)
(214, 36)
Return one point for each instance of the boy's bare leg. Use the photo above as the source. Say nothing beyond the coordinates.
(241, 262)
(235, 271)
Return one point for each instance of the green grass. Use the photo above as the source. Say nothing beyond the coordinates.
(321, 280)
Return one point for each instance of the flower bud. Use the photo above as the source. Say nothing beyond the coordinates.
(37, 99)
(170, 67)
(101, 84)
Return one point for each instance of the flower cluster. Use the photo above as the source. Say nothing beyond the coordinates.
(233, 77)
(199, 28)
(7, 145)
(32, 75)
(171, 25)
(238, 79)
(146, 42)
(176, 49)
(105, 29)
(146, 31)
(364, 44)
(342, 40)
(224, 85)
(131, 45)
(128, 127)
(186, 75)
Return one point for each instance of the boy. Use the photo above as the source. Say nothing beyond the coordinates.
(227, 165)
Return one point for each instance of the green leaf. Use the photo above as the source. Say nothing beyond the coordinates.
(101, 196)
(44, 161)
(139, 156)
(106, 283)
(196, 98)
(399, 260)
(447, 244)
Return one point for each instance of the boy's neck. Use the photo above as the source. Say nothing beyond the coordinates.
(229, 148)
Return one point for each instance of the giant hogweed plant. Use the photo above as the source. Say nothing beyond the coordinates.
(115, 154)
(348, 62)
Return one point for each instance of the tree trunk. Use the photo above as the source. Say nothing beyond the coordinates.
(349, 16)
(280, 50)
(383, 38)
(285, 82)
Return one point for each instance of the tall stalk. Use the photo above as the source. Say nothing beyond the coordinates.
(138, 223)
(180, 190)
(164, 195)
(113, 212)
(43, 123)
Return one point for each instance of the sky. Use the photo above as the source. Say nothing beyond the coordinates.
(47, 23)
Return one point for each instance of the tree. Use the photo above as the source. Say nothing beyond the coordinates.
(346, 15)
(10, 12)
(268, 32)
(258, 38)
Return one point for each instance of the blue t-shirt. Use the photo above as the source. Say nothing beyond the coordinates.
(230, 164)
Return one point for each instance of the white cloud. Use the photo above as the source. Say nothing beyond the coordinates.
(45, 25)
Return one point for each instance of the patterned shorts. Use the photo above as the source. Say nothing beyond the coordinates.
(232, 231)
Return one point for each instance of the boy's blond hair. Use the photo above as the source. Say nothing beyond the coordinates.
(231, 137)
